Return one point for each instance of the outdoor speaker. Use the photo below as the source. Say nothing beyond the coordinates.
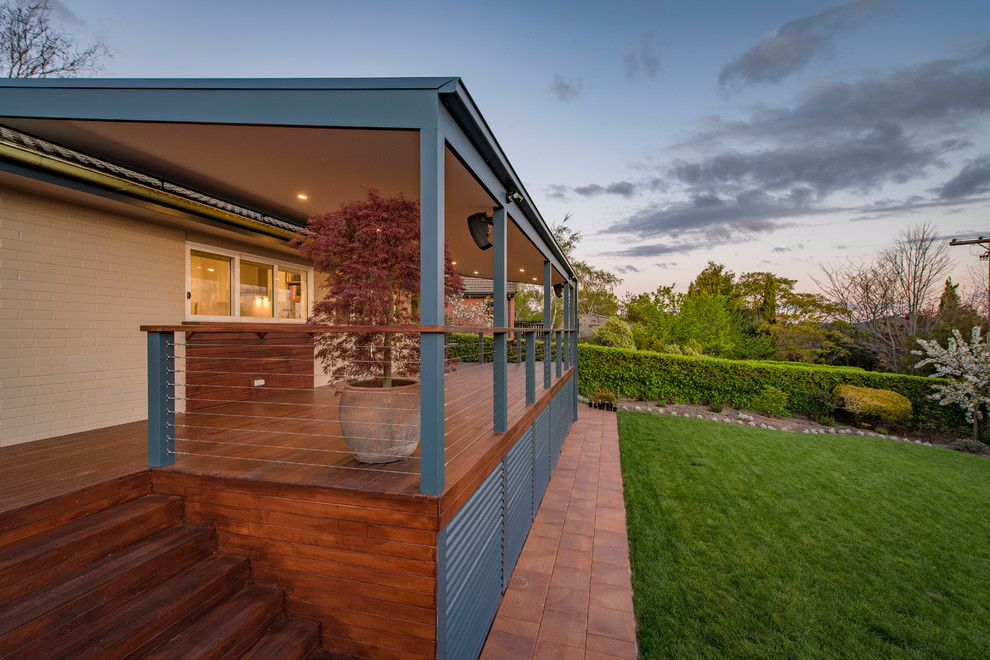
(480, 226)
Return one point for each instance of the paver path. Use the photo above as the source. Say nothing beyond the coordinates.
(570, 595)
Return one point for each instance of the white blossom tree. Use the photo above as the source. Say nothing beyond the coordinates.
(966, 370)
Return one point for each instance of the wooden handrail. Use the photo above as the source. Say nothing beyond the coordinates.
(291, 328)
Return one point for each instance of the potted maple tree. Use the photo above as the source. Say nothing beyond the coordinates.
(369, 253)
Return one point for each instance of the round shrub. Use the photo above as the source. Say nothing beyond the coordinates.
(969, 446)
(771, 401)
(867, 404)
(615, 333)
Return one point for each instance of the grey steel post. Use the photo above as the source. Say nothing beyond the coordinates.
(500, 320)
(431, 309)
(161, 399)
(547, 321)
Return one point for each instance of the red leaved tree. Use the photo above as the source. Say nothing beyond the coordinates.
(369, 252)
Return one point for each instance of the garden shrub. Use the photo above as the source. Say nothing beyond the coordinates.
(674, 349)
(661, 376)
(969, 446)
(615, 333)
(822, 404)
(771, 401)
(868, 404)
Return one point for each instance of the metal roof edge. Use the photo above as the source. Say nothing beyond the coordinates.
(470, 112)
(326, 84)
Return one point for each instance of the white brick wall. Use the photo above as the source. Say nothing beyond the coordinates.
(75, 285)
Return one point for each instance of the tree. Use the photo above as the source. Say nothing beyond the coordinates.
(716, 281)
(31, 46)
(596, 286)
(890, 299)
(966, 369)
(369, 251)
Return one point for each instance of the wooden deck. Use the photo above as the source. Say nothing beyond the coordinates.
(352, 546)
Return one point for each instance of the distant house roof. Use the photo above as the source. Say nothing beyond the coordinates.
(475, 287)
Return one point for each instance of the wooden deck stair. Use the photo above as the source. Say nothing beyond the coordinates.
(133, 581)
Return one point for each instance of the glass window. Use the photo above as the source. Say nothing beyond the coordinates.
(256, 289)
(209, 284)
(291, 294)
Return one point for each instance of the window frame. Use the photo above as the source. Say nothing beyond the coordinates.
(235, 257)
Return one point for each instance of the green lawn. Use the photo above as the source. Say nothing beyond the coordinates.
(752, 543)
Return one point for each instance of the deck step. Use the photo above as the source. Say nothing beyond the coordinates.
(86, 592)
(229, 629)
(290, 639)
(31, 562)
(133, 581)
(134, 628)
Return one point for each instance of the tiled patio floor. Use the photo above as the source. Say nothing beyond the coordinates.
(570, 595)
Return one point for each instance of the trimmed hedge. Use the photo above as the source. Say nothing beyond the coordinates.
(662, 376)
(464, 346)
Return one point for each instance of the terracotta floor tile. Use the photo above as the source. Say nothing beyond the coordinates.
(502, 645)
(574, 558)
(570, 577)
(568, 601)
(566, 629)
(611, 647)
(609, 573)
(532, 582)
(547, 650)
(609, 623)
(611, 555)
(575, 542)
(612, 596)
(518, 627)
(517, 604)
(614, 539)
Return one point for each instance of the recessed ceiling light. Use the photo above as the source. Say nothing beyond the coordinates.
(302, 196)
(453, 263)
(534, 279)
(475, 272)
(522, 270)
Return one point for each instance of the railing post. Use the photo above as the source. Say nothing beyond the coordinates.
(161, 399)
(560, 352)
(547, 320)
(530, 367)
(519, 347)
(481, 348)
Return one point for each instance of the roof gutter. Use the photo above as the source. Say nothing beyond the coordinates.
(147, 193)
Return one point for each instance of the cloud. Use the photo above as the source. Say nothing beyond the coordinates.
(556, 191)
(642, 58)
(860, 162)
(795, 44)
(567, 90)
(788, 248)
(626, 269)
(622, 188)
(972, 179)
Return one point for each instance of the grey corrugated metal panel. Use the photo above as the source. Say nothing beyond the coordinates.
(473, 569)
(518, 502)
(541, 456)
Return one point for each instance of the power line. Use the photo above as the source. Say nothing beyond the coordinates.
(983, 242)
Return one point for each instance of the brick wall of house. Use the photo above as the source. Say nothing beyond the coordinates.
(75, 285)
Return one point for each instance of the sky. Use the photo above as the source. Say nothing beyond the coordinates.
(764, 135)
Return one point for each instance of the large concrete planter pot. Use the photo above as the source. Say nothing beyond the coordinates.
(380, 424)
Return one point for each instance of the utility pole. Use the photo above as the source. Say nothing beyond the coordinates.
(983, 242)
